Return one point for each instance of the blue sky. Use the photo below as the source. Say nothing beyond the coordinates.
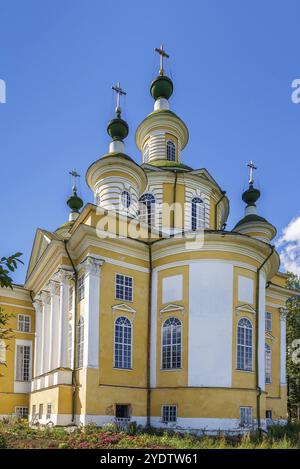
(232, 63)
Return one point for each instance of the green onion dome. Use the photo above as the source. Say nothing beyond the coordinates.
(74, 202)
(251, 195)
(161, 87)
(118, 129)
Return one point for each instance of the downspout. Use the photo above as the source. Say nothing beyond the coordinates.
(149, 336)
(216, 209)
(74, 382)
(257, 387)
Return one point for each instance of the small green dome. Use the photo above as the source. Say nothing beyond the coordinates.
(161, 87)
(118, 129)
(75, 203)
(251, 195)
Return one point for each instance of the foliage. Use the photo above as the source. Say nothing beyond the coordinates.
(3, 444)
(8, 265)
(17, 434)
(293, 332)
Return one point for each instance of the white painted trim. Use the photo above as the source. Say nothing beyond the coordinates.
(192, 261)
(3, 303)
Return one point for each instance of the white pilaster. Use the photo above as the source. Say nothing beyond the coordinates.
(283, 313)
(38, 337)
(91, 266)
(45, 297)
(63, 276)
(54, 323)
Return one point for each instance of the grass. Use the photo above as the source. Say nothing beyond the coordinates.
(17, 434)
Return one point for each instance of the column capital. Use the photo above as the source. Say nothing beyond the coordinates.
(45, 297)
(54, 287)
(62, 275)
(38, 304)
(283, 313)
(92, 265)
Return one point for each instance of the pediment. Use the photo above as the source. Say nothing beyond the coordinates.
(246, 309)
(170, 308)
(41, 241)
(123, 307)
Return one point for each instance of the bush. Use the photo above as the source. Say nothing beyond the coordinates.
(3, 444)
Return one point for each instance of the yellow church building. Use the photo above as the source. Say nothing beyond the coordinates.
(143, 306)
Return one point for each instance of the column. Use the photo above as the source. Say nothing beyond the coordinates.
(283, 313)
(63, 276)
(38, 337)
(91, 267)
(45, 297)
(54, 288)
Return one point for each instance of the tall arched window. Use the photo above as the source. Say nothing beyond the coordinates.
(147, 209)
(80, 342)
(2, 351)
(146, 153)
(123, 343)
(268, 363)
(244, 345)
(197, 214)
(171, 151)
(171, 344)
(125, 199)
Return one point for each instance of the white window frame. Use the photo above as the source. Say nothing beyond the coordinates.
(199, 216)
(268, 364)
(246, 370)
(126, 199)
(268, 321)
(48, 414)
(171, 148)
(246, 420)
(122, 343)
(80, 342)
(23, 343)
(2, 351)
(20, 410)
(171, 368)
(23, 320)
(81, 287)
(169, 408)
(132, 287)
(147, 216)
(41, 411)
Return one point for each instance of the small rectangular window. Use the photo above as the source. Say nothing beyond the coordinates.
(268, 320)
(169, 413)
(40, 411)
(81, 288)
(246, 416)
(124, 287)
(23, 363)
(23, 323)
(269, 414)
(122, 411)
(22, 412)
(33, 410)
(49, 411)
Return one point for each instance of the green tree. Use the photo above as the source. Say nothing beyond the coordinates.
(7, 266)
(293, 333)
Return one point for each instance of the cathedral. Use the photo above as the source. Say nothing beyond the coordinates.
(143, 307)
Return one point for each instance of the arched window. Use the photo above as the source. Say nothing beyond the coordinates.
(146, 153)
(125, 199)
(147, 209)
(123, 343)
(2, 352)
(70, 344)
(80, 342)
(268, 363)
(244, 345)
(171, 151)
(197, 214)
(171, 344)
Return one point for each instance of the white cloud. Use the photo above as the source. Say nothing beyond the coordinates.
(288, 246)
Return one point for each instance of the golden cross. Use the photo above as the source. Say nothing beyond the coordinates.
(162, 54)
